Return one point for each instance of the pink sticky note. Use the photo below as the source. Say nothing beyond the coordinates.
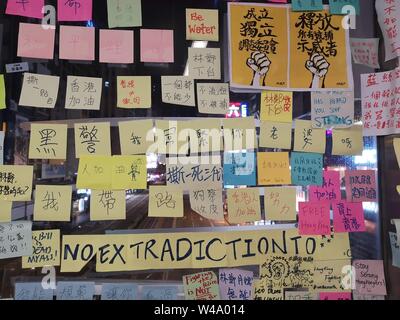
(25, 8)
(35, 41)
(370, 277)
(360, 186)
(314, 218)
(76, 43)
(74, 10)
(348, 217)
(156, 45)
(335, 296)
(116, 46)
(330, 189)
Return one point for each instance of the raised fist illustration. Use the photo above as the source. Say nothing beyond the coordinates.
(319, 67)
(260, 65)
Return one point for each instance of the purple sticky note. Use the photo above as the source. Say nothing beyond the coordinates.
(314, 218)
(370, 278)
(330, 189)
(156, 45)
(348, 217)
(335, 296)
(74, 10)
(235, 284)
(360, 186)
(25, 8)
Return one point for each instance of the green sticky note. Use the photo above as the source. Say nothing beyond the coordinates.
(307, 5)
(2, 93)
(124, 13)
(336, 6)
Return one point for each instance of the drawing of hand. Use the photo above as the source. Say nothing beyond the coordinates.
(260, 65)
(318, 66)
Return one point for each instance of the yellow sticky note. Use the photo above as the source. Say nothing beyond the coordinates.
(204, 63)
(2, 93)
(277, 135)
(204, 135)
(134, 92)
(39, 90)
(83, 93)
(239, 134)
(280, 203)
(5, 211)
(202, 24)
(273, 168)
(94, 172)
(207, 202)
(52, 203)
(348, 141)
(329, 276)
(243, 205)
(170, 138)
(92, 139)
(46, 249)
(48, 141)
(396, 145)
(213, 98)
(165, 201)
(136, 136)
(308, 139)
(16, 183)
(107, 205)
(276, 106)
(129, 172)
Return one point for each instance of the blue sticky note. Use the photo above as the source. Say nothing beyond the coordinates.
(119, 291)
(395, 250)
(306, 169)
(32, 291)
(336, 6)
(240, 169)
(160, 292)
(307, 5)
(75, 290)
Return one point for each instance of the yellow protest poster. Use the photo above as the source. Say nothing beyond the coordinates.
(243, 205)
(273, 168)
(202, 24)
(308, 139)
(107, 205)
(320, 56)
(92, 139)
(348, 142)
(276, 106)
(46, 249)
(129, 172)
(330, 275)
(262, 291)
(280, 203)
(72, 257)
(135, 136)
(259, 47)
(239, 134)
(276, 135)
(16, 183)
(2, 93)
(165, 201)
(170, 138)
(134, 92)
(52, 203)
(48, 141)
(205, 135)
(113, 262)
(6, 210)
(94, 172)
